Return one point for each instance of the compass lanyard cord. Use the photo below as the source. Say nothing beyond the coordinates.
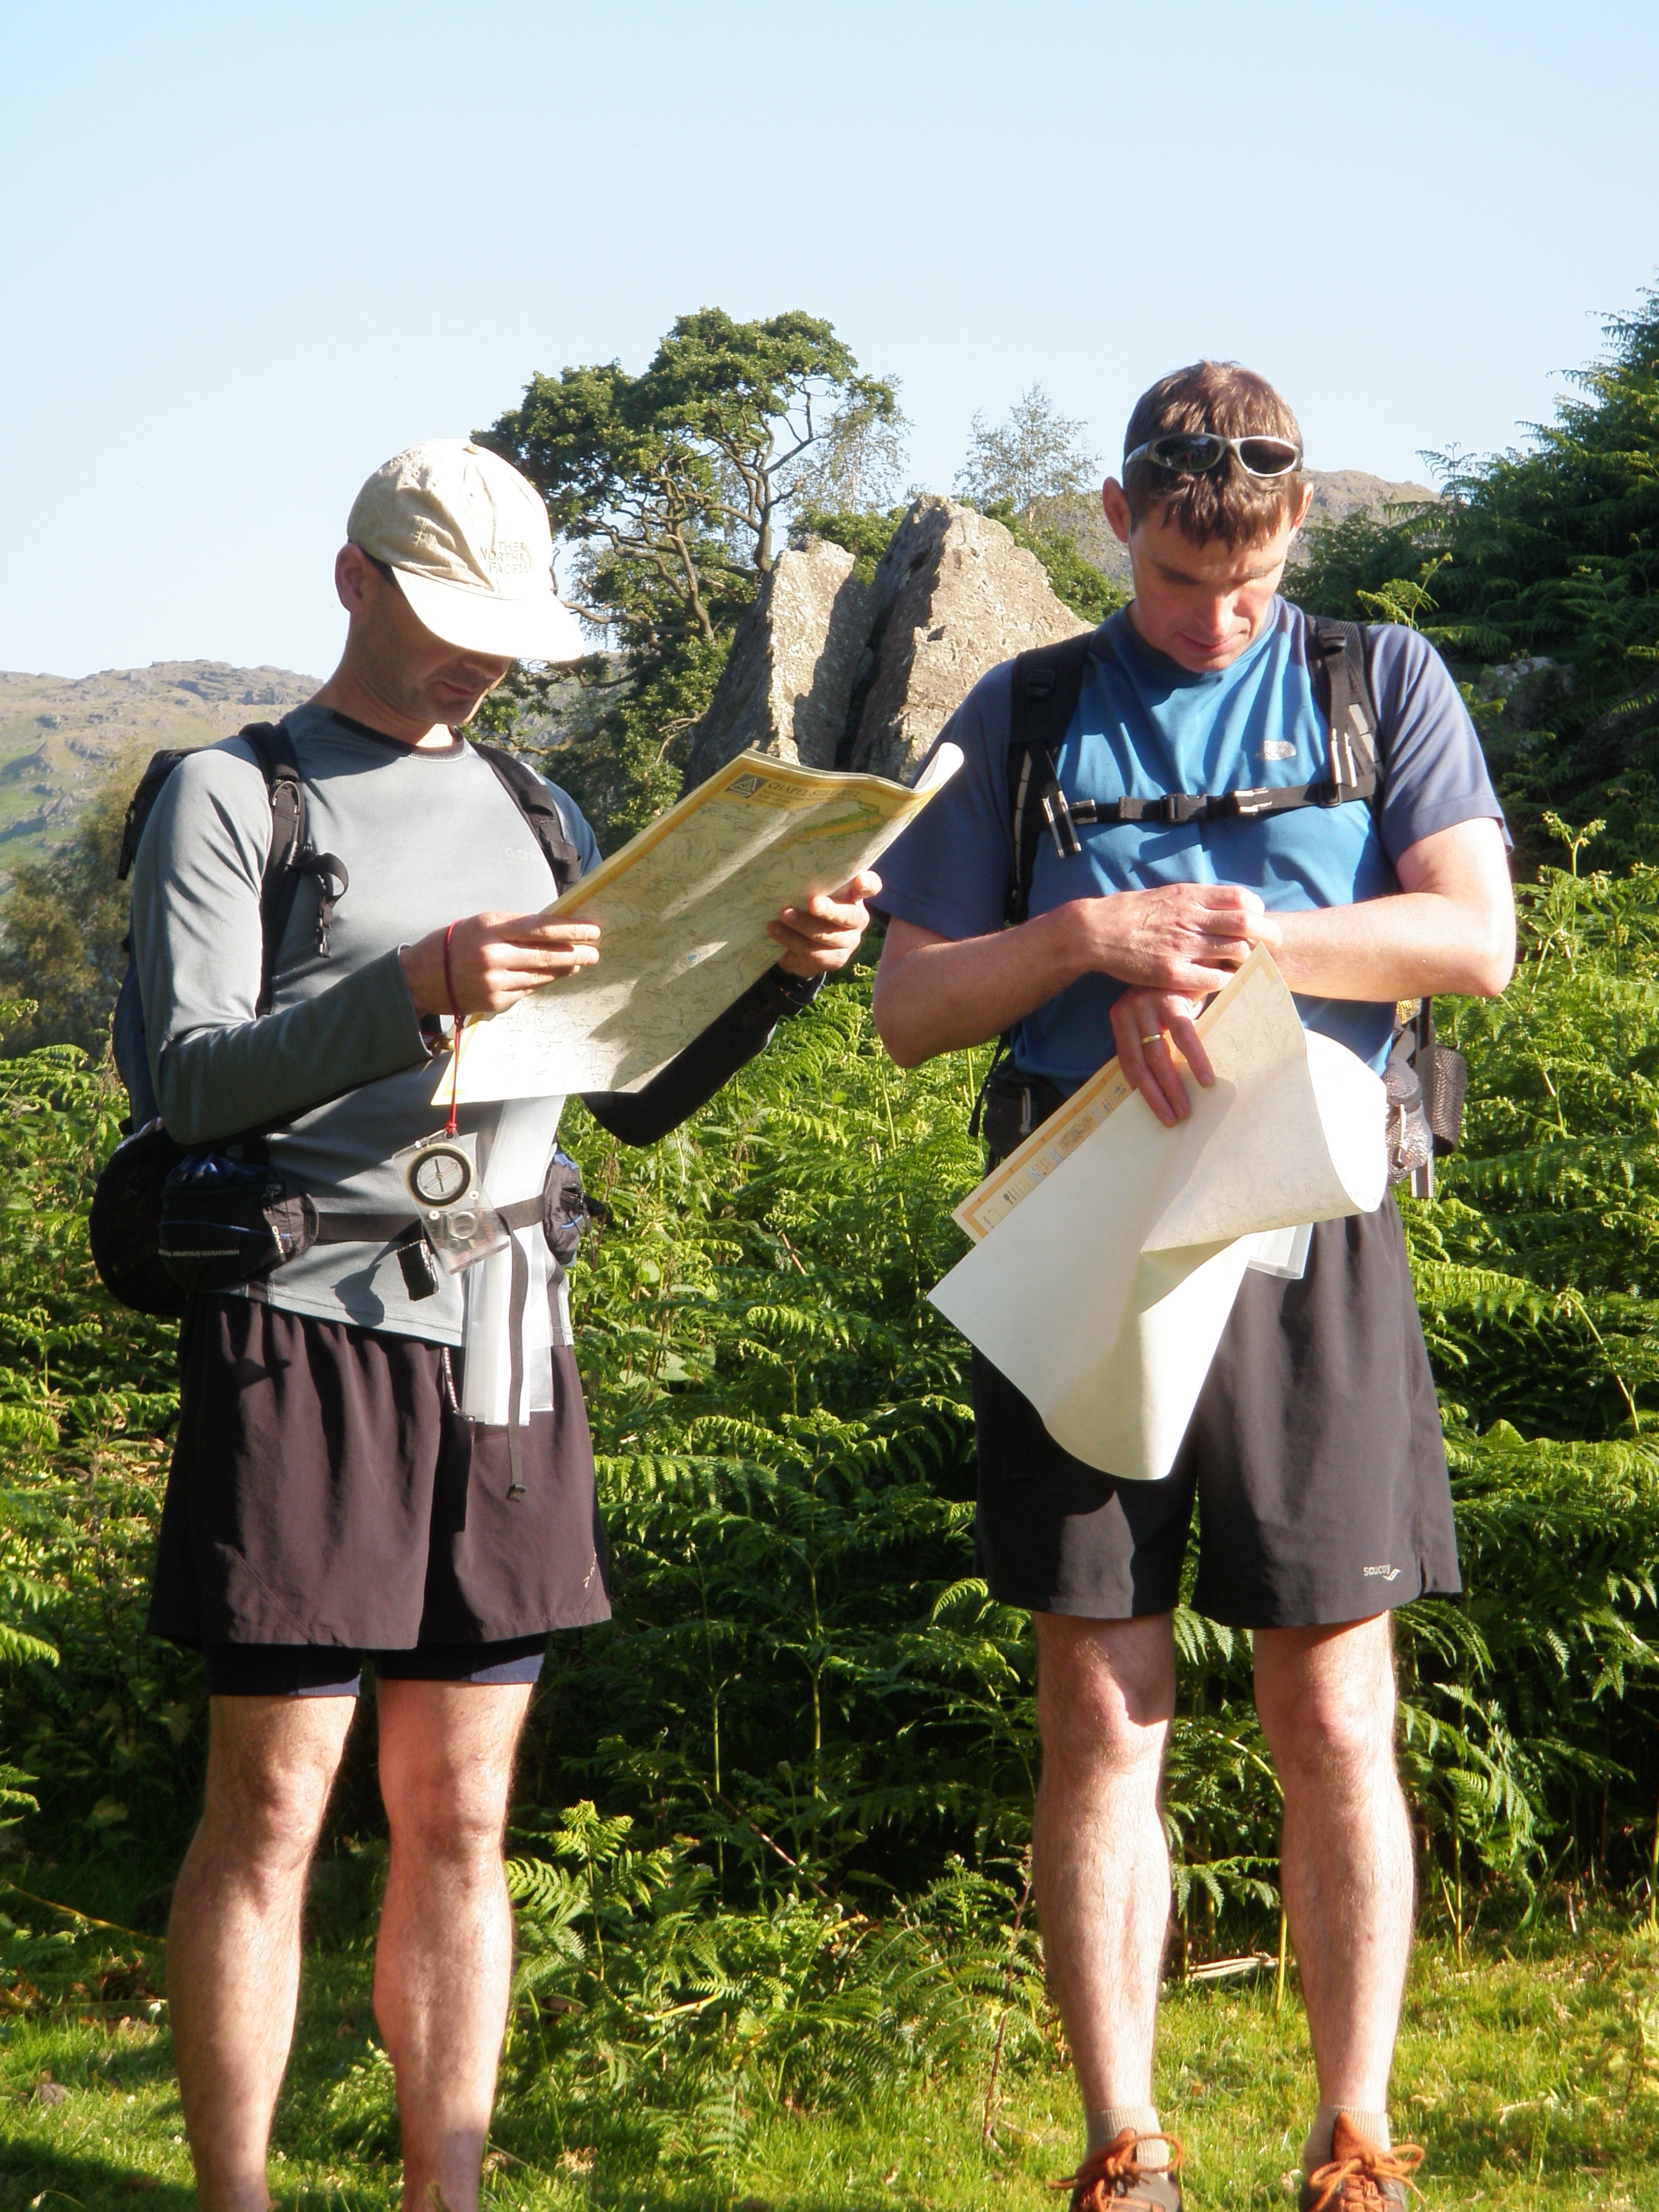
(458, 1018)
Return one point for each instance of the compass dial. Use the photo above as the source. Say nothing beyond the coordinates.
(441, 1176)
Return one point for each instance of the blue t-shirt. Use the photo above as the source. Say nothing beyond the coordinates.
(1144, 727)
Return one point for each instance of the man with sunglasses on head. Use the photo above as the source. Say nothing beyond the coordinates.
(1315, 1454)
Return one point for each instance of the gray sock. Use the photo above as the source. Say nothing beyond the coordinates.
(1316, 2151)
(1106, 2127)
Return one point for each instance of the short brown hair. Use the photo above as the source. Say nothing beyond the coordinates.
(1227, 503)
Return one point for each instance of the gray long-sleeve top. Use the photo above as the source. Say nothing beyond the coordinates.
(428, 835)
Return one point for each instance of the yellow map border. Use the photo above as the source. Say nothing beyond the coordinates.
(1091, 1103)
(878, 791)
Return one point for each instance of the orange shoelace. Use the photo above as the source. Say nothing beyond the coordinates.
(1370, 2166)
(1118, 2162)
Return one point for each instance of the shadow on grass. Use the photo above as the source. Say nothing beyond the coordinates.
(32, 2173)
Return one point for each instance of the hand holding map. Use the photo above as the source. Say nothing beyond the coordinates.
(1110, 1249)
(683, 912)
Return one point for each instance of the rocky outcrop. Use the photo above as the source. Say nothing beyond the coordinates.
(832, 673)
(789, 678)
(953, 595)
(1533, 691)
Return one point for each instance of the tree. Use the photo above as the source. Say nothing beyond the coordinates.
(1551, 549)
(1035, 454)
(61, 927)
(860, 467)
(671, 491)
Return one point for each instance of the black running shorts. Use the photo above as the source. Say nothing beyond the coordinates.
(325, 1490)
(1314, 1454)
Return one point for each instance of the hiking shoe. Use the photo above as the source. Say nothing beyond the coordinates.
(1360, 2176)
(1116, 2176)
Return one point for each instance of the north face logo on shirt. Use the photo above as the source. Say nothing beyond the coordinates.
(1279, 748)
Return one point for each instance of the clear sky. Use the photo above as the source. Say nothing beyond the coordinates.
(249, 251)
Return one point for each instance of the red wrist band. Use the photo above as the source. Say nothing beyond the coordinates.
(455, 1011)
(449, 977)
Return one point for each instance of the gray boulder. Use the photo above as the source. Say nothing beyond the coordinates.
(789, 678)
(953, 595)
(1533, 691)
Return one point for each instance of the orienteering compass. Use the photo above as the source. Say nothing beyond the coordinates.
(439, 1174)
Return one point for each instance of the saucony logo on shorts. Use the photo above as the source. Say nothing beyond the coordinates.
(1385, 1574)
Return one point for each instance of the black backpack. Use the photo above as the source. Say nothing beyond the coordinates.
(125, 1217)
(1426, 1080)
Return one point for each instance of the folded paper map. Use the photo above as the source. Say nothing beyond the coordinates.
(683, 909)
(1109, 1249)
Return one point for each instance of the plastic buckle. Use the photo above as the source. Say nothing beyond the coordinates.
(1181, 807)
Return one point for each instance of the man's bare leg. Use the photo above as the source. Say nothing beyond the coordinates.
(1327, 1701)
(1105, 1693)
(233, 1939)
(444, 1963)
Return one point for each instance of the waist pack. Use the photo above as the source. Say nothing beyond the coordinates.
(167, 1223)
(1012, 1106)
(164, 1222)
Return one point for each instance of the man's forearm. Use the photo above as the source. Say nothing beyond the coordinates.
(705, 1066)
(1450, 927)
(935, 995)
(1411, 945)
(214, 1078)
(952, 994)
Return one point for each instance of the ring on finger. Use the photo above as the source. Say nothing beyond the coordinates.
(1155, 1037)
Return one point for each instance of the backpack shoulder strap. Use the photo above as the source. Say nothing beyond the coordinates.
(535, 802)
(292, 855)
(1357, 758)
(272, 747)
(1048, 682)
(141, 806)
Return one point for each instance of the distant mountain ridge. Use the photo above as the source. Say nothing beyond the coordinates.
(60, 735)
(1337, 494)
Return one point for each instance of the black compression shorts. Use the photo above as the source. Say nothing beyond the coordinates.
(1314, 1455)
(327, 1670)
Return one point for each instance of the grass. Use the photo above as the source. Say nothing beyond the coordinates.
(1528, 2066)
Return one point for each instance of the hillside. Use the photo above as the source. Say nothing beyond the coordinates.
(1337, 493)
(59, 735)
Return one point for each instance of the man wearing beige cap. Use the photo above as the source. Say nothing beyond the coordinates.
(345, 1484)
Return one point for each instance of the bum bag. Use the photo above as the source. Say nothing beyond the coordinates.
(167, 1223)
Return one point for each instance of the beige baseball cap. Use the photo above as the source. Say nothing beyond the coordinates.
(468, 540)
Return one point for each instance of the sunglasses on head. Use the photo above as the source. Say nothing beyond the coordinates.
(1196, 453)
